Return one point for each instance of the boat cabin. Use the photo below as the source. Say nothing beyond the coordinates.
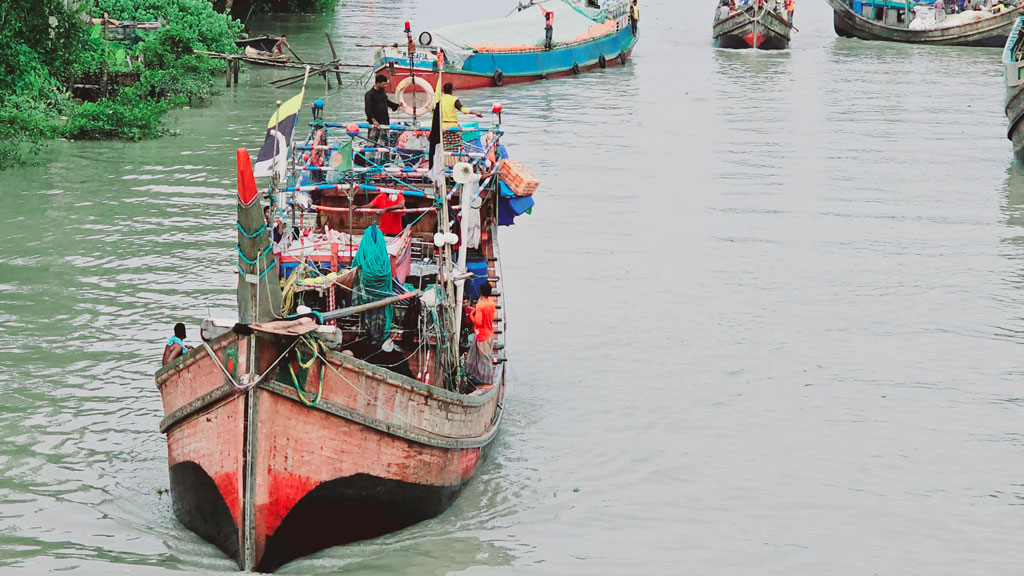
(888, 12)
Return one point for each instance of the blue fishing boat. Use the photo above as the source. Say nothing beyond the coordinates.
(1013, 74)
(513, 49)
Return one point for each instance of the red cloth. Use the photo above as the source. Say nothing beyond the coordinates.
(483, 319)
(549, 16)
(390, 222)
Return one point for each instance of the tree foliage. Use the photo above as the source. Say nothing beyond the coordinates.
(47, 47)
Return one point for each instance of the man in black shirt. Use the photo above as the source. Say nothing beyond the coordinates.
(376, 105)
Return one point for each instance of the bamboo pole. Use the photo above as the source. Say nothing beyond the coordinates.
(334, 53)
(345, 312)
(332, 66)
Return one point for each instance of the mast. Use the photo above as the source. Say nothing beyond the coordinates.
(412, 71)
(447, 266)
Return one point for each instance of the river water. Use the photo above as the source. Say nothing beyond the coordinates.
(765, 318)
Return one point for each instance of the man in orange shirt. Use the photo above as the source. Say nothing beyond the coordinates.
(390, 220)
(478, 363)
(790, 8)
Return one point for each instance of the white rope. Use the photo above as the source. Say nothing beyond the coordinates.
(244, 387)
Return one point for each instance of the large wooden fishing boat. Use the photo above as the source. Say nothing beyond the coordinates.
(511, 50)
(755, 26)
(1013, 71)
(890, 20)
(291, 430)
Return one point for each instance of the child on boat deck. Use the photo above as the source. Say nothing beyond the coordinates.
(176, 346)
(278, 49)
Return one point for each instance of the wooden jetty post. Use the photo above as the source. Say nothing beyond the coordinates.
(227, 76)
(334, 54)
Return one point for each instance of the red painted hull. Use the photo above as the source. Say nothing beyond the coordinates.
(268, 478)
(463, 81)
(754, 39)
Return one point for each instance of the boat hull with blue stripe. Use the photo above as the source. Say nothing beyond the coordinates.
(486, 69)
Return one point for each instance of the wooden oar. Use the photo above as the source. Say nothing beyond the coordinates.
(297, 57)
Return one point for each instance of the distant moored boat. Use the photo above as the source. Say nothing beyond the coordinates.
(511, 49)
(893, 21)
(1013, 69)
(754, 26)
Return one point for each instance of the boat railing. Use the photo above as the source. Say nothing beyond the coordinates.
(374, 160)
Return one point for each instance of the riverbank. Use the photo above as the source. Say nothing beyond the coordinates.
(82, 74)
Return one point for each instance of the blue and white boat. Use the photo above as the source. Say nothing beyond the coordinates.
(512, 49)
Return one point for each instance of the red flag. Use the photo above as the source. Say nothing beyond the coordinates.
(247, 191)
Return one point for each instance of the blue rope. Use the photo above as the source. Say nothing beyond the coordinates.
(262, 274)
(253, 235)
(251, 262)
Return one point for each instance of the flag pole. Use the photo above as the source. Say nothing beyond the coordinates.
(274, 178)
(412, 72)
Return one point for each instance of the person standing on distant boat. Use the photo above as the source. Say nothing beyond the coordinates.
(278, 49)
(634, 16)
(478, 363)
(549, 26)
(723, 10)
(176, 346)
(790, 9)
(376, 104)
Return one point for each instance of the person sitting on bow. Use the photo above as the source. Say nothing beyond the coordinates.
(176, 346)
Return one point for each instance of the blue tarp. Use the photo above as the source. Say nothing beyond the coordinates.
(510, 205)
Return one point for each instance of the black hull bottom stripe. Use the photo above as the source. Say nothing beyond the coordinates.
(350, 509)
(738, 43)
(199, 506)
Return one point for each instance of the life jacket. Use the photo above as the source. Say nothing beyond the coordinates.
(789, 5)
